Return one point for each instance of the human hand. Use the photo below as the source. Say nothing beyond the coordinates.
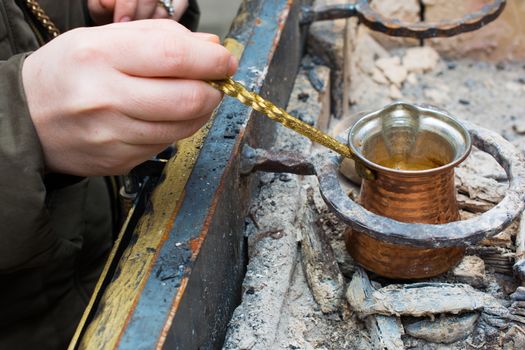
(105, 99)
(107, 11)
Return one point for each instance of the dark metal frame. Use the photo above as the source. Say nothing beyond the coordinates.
(204, 256)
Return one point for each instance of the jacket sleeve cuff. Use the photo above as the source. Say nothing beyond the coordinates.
(26, 235)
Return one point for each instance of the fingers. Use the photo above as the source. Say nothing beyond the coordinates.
(180, 6)
(208, 37)
(158, 24)
(97, 162)
(167, 53)
(160, 12)
(140, 132)
(103, 11)
(109, 129)
(146, 9)
(129, 10)
(125, 10)
(166, 99)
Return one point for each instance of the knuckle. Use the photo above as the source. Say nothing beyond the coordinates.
(223, 62)
(84, 52)
(89, 98)
(196, 101)
(174, 54)
(112, 166)
(128, 4)
(192, 127)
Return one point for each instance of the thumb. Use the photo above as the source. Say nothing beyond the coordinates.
(101, 11)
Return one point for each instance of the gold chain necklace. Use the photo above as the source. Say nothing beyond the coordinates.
(41, 16)
(235, 89)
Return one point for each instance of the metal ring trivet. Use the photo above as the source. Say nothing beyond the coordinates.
(458, 233)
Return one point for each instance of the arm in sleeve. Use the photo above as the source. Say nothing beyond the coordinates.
(26, 239)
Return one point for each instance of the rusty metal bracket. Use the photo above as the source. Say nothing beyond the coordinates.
(394, 27)
(274, 162)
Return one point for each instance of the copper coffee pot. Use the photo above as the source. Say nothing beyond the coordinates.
(413, 153)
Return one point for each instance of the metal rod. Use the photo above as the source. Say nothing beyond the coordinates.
(238, 91)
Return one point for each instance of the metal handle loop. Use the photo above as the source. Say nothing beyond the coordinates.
(394, 27)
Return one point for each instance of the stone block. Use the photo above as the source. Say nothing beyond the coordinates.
(407, 11)
(503, 39)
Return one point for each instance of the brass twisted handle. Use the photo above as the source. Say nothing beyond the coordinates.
(237, 90)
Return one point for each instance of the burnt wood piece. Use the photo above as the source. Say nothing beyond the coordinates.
(445, 329)
(395, 27)
(385, 331)
(319, 262)
(519, 294)
(519, 265)
(425, 299)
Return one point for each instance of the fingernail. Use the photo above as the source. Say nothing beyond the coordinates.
(207, 36)
(125, 19)
(232, 65)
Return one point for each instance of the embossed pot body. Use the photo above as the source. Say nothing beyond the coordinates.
(413, 151)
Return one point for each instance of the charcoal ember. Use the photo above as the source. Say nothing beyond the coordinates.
(344, 260)
(519, 128)
(503, 239)
(319, 262)
(471, 270)
(395, 93)
(385, 331)
(514, 338)
(518, 308)
(490, 169)
(420, 59)
(518, 305)
(438, 94)
(495, 322)
(519, 265)
(473, 205)
(519, 294)
(422, 299)
(379, 77)
(347, 168)
(481, 193)
(444, 329)
(393, 70)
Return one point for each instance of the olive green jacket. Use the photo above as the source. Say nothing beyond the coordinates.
(55, 229)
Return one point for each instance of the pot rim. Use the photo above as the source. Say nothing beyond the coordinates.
(427, 110)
